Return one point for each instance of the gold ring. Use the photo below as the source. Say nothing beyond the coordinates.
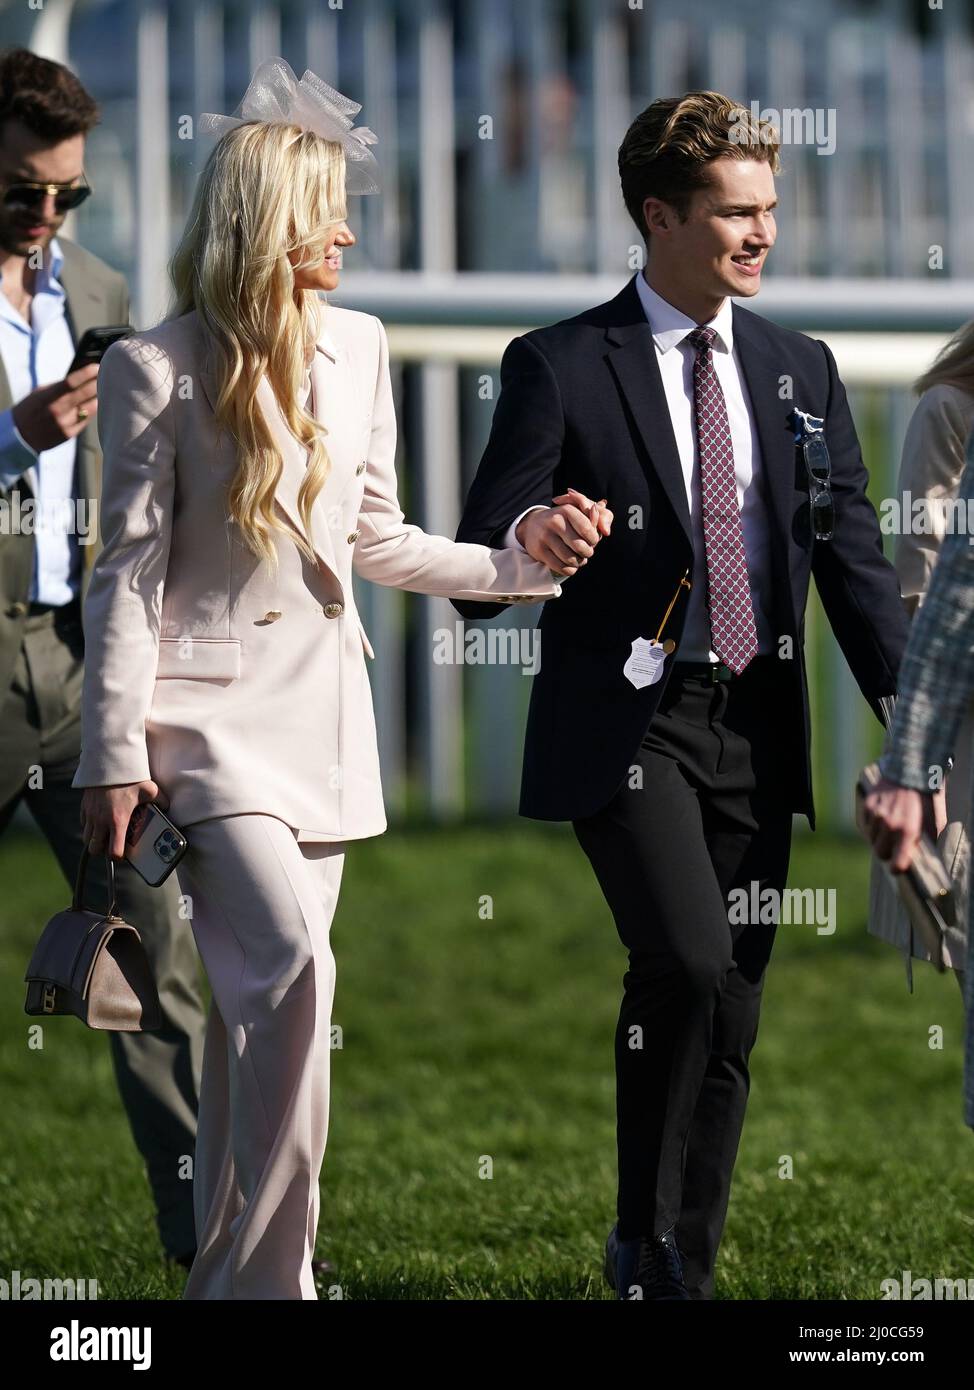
(82, 413)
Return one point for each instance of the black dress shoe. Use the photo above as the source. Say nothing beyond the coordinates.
(647, 1267)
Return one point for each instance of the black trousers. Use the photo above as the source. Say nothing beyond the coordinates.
(706, 810)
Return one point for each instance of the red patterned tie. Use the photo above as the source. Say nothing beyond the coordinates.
(735, 638)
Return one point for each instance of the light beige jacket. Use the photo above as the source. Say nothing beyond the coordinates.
(934, 454)
(235, 689)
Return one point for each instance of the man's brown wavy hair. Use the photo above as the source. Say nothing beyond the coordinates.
(45, 96)
(669, 147)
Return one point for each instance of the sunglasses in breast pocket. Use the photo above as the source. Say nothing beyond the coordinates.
(810, 439)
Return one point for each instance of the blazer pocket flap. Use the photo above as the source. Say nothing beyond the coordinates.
(199, 658)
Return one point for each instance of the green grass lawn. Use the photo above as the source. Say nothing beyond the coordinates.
(476, 1042)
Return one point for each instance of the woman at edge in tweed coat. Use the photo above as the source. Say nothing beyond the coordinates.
(930, 470)
(935, 686)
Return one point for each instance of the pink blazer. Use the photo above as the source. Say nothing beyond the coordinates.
(235, 689)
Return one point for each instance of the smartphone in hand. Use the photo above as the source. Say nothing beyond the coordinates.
(153, 845)
(95, 342)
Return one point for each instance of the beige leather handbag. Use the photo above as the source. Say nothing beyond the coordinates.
(93, 965)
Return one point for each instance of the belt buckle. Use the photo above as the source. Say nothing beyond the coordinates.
(721, 673)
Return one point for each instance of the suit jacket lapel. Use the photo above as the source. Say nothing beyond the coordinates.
(6, 396)
(84, 296)
(84, 307)
(633, 360)
(292, 454)
(634, 364)
(762, 375)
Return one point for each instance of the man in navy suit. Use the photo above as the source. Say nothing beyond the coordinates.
(673, 663)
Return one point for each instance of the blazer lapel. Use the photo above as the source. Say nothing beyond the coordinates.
(84, 307)
(762, 375)
(84, 294)
(633, 362)
(293, 455)
(330, 396)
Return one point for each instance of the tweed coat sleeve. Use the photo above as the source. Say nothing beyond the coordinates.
(936, 678)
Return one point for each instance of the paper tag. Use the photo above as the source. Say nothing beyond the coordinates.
(645, 665)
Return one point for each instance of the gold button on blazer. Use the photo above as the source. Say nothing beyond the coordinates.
(203, 669)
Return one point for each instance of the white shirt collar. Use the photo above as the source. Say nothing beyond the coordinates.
(670, 325)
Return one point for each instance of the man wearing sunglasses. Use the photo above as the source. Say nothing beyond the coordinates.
(51, 290)
(669, 719)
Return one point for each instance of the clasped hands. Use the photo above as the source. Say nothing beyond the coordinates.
(564, 536)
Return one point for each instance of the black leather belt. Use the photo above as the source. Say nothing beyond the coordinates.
(764, 662)
(714, 670)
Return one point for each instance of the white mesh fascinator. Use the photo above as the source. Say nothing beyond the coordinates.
(275, 94)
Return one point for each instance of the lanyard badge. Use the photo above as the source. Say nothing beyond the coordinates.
(645, 664)
(809, 435)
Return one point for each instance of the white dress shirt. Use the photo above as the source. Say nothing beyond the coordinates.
(37, 354)
(675, 357)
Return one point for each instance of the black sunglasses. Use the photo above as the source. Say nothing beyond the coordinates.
(27, 194)
(819, 468)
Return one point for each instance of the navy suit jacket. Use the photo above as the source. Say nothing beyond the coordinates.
(582, 405)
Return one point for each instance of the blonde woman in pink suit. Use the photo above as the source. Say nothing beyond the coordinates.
(249, 444)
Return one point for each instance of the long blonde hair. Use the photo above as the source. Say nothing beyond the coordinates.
(266, 189)
(953, 365)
